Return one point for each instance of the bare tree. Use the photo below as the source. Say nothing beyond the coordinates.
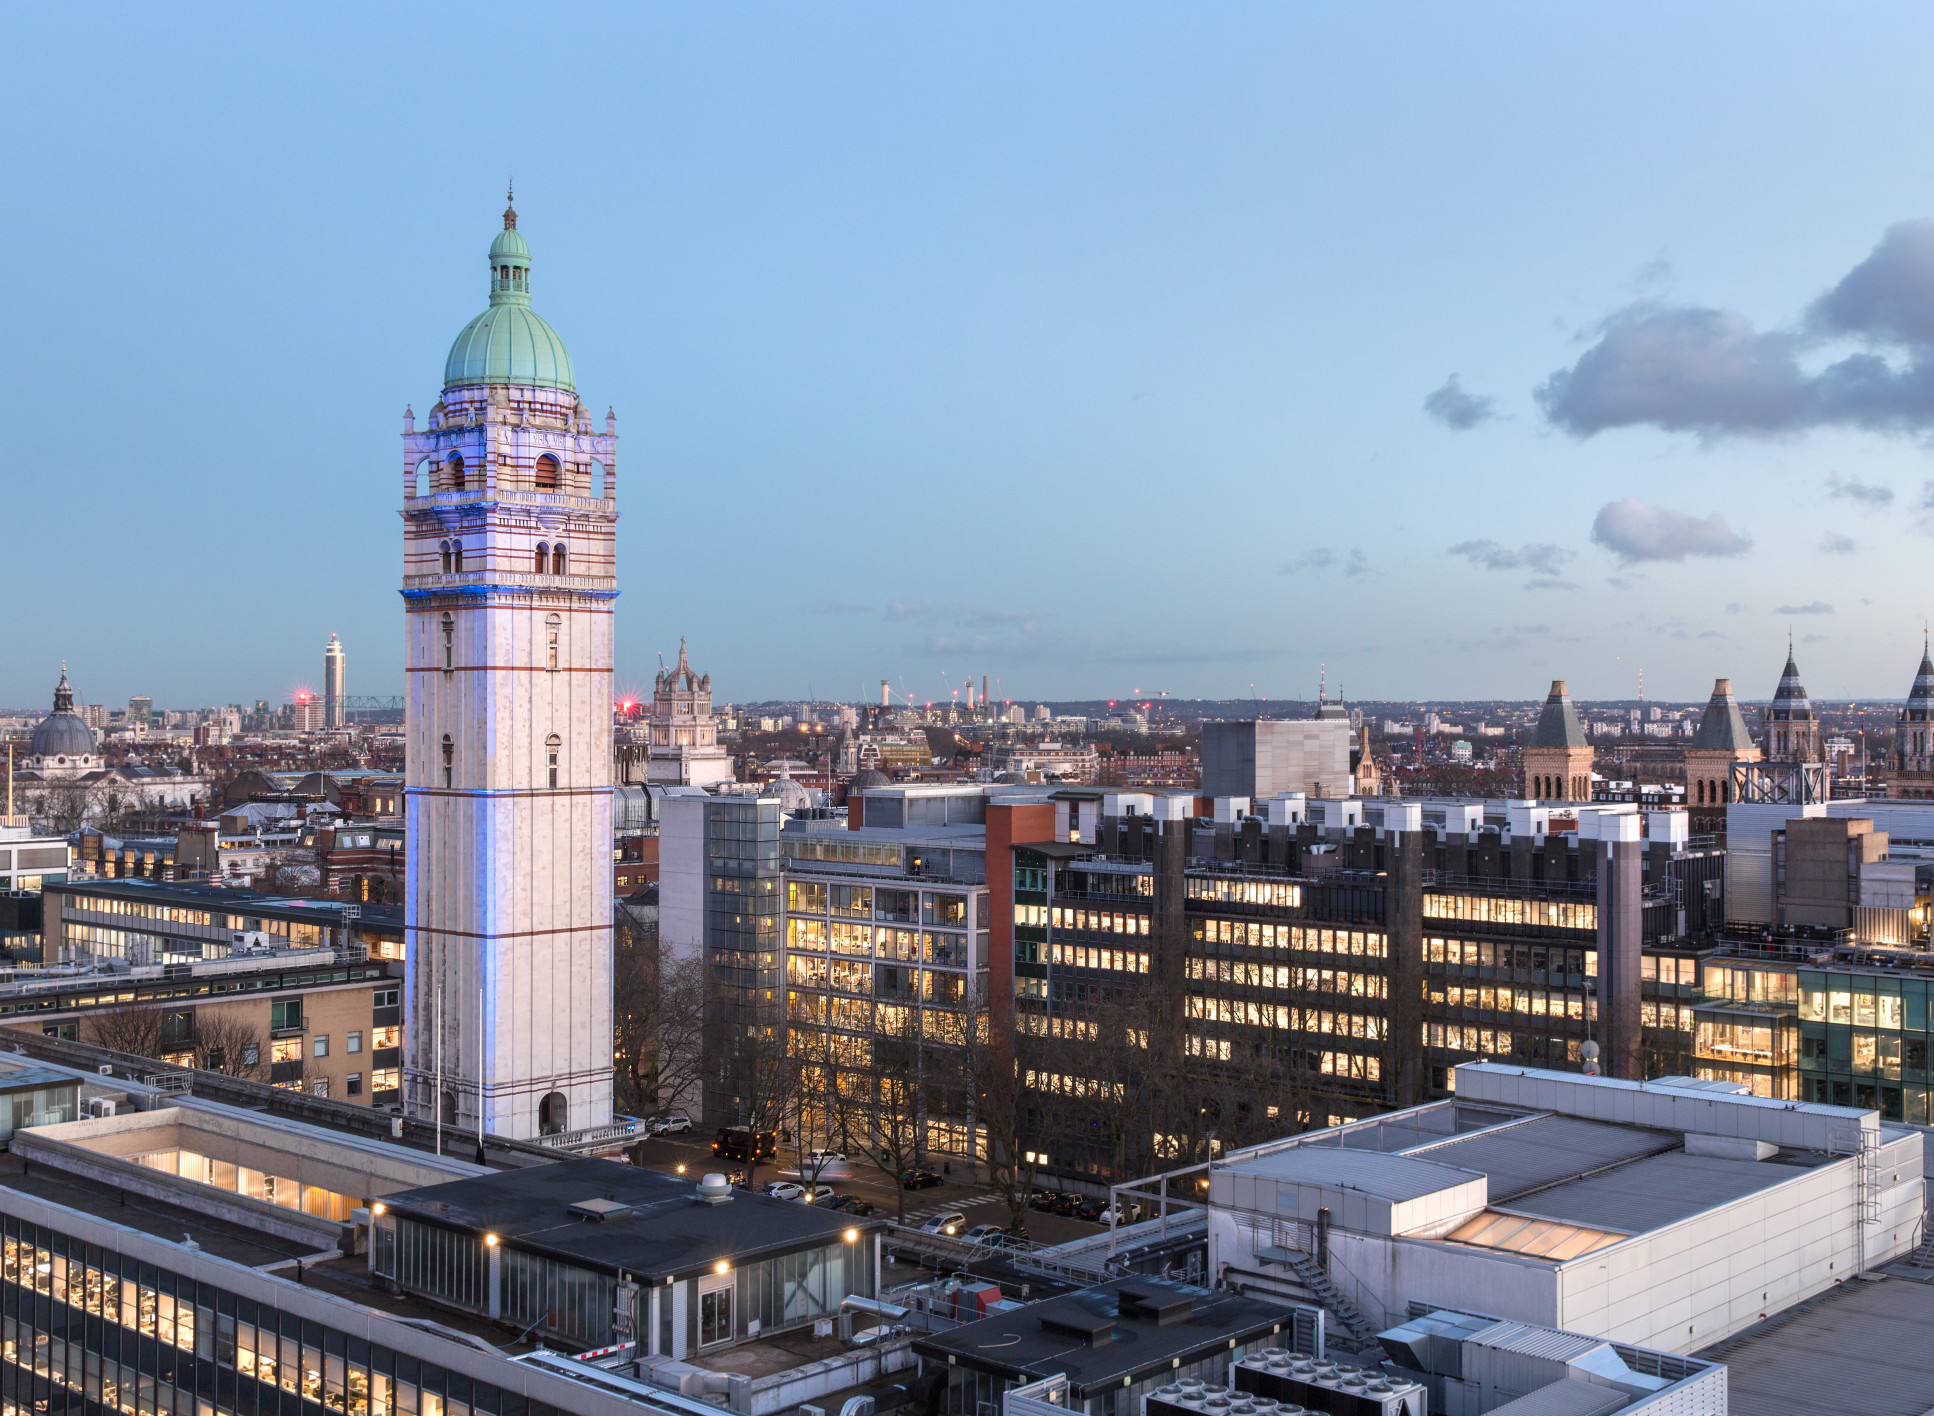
(768, 1076)
(135, 1028)
(659, 1019)
(994, 1068)
(821, 1107)
(226, 1042)
(893, 1115)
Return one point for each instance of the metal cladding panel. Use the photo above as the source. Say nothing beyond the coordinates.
(1566, 1397)
(1797, 1125)
(1543, 1343)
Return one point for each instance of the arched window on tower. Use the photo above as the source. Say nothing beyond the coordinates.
(456, 557)
(423, 479)
(445, 547)
(449, 644)
(557, 560)
(541, 562)
(449, 760)
(546, 473)
(456, 472)
(553, 624)
(552, 746)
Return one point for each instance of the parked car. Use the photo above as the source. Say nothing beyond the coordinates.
(853, 1204)
(948, 1222)
(676, 1124)
(1065, 1202)
(785, 1190)
(919, 1180)
(1088, 1209)
(816, 1194)
(1043, 1200)
(981, 1233)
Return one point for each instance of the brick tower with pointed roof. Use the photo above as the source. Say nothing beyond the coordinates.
(1722, 740)
(1558, 761)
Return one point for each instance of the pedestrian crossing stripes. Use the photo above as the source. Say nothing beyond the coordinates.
(920, 1216)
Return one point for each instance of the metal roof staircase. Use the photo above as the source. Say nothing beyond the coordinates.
(1361, 1331)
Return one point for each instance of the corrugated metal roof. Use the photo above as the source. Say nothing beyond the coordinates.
(1536, 1341)
(1566, 1397)
(1388, 1177)
(1547, 1149)
(1860, 1347)
(1654, 1192)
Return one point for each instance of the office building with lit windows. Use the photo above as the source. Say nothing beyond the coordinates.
(1307, 961)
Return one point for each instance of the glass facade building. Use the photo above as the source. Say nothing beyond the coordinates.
(742, 953)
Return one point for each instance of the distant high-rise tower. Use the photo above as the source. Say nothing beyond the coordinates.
(508, 583)
(1792, 727)
(886, 695)
(1558, 763)
(332, 684)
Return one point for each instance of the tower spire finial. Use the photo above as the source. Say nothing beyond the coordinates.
(510, 206)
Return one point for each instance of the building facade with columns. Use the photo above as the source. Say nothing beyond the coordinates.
(509, 532)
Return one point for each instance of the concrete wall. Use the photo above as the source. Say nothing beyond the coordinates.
(1258, 759)
(681, 876)
(1383, 1276)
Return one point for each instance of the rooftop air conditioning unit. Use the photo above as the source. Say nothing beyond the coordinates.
(100, 1106)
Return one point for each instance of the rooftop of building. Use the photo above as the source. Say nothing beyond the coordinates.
(1570, 1163)
(1860, 1346)
(1126, 1330)
(234, 1242)
(657, 1226)
(224, 899)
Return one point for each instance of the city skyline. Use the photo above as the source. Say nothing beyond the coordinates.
(1501, 381)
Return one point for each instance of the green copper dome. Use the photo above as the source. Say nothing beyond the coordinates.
(509, 343)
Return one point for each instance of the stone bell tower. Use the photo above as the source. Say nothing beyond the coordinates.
(509, 531)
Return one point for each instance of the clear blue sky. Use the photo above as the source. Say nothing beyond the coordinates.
(1087, 347)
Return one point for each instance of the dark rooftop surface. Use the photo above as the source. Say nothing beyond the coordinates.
(1086, 1336)
(665, 1231)
(1860, 1346)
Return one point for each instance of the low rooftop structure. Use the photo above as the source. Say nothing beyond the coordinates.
(1582, 1203)
(560, 1247)
(1476, 1366)
(1117, 1339)
(279, 1176)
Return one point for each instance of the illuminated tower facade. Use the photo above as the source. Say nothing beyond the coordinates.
(333, 715)
(509, 522)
